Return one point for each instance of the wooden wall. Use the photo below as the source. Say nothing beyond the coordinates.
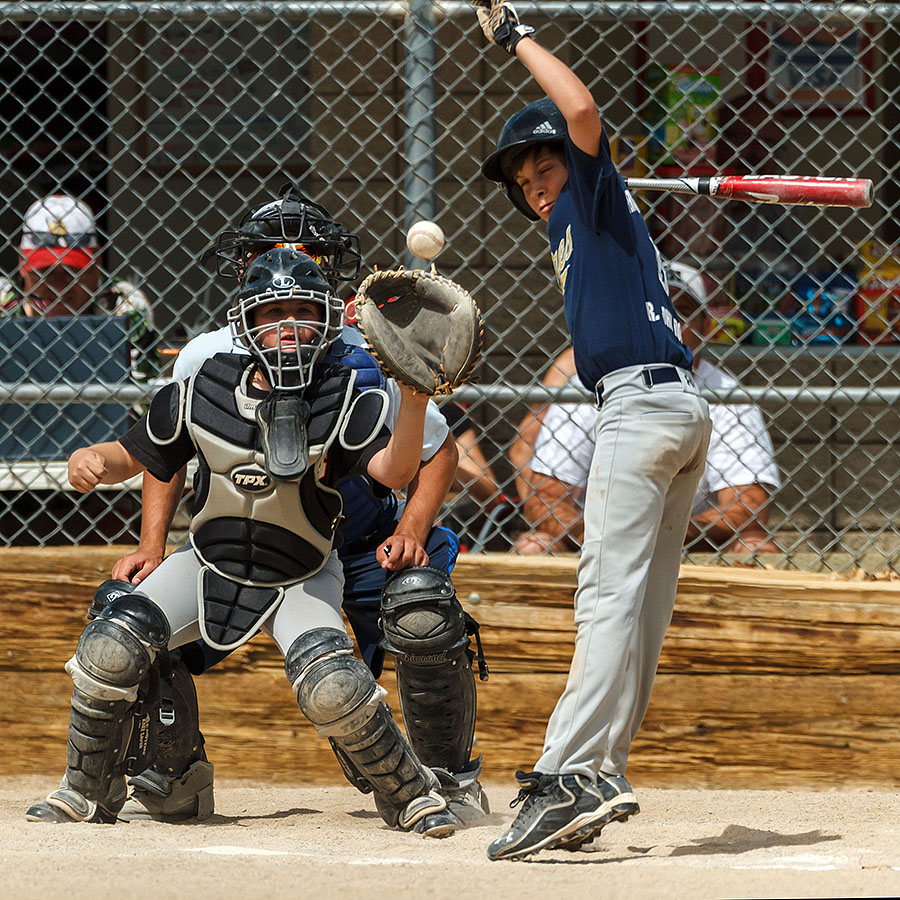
(767, 678)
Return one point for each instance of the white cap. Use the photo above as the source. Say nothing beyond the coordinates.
(58, 230)
(682, 277)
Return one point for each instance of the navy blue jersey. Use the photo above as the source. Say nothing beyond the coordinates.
(365, 514)
(616, 300)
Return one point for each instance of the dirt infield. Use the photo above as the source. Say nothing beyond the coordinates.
(273, 841)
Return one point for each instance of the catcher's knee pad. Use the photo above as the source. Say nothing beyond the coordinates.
(116, 649)
(110, 590)
(425, 629)
(111, 730)
(334, 689)
(339, 695)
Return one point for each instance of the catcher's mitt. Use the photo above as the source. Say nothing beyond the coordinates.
(424, 329)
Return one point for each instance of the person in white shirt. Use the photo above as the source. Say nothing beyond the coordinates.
(731, 506)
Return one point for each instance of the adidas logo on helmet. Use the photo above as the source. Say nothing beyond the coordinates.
(544, 128)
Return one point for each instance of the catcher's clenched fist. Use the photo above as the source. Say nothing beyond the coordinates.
(107, 463)
(500, 23)
(87, 469)
(425, 330)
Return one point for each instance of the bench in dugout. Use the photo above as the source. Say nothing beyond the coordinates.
(37, 505)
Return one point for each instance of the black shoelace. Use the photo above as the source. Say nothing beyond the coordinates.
(533, 783)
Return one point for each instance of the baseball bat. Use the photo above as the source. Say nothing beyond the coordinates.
(789, 190)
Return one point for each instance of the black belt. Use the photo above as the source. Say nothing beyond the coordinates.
(662, 375)
(651, 375)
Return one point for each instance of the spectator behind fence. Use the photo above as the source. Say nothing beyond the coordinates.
(481, 512)
(60, 279)
(60, 275)
(731, 506)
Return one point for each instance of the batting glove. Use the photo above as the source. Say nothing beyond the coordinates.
(500, 23)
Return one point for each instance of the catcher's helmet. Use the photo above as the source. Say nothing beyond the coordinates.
(539, 122)
(295, 221)
(283, 274)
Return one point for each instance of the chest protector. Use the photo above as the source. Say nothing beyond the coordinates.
(254, 533)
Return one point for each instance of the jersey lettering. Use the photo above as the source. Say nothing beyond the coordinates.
(660, 268)
(664, 315)
(561, 258)
(629, 200)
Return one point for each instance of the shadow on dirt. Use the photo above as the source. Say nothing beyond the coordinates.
(733, 840)
(215, 820)
(738, 839)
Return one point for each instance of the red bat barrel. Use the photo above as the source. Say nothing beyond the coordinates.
(802, 190)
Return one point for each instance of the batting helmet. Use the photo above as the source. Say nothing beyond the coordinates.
(284, 274)
(295, 221)
(539, 122)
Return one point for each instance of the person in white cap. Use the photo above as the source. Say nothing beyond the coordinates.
(59, 267)
(730, 508)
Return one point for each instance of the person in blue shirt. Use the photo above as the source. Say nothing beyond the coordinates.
(652, 431)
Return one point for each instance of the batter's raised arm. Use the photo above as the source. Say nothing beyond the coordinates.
(501, 26)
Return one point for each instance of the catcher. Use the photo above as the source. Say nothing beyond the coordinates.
(273, 436)
(438, 698)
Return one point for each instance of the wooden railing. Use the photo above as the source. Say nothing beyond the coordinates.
(767, 678)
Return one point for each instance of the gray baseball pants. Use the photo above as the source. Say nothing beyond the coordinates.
(649, 455)
(314, 603)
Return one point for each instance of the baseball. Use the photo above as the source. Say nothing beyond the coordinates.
(425, 239)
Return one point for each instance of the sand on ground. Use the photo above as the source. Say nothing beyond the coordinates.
(277, 841)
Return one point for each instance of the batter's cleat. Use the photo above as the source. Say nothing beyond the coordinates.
(466, 804)
(66, 805)
(622, 806)
(164, 799)
(555, 808)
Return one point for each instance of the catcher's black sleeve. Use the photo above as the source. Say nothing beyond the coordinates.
(164, 461)
(348, 463)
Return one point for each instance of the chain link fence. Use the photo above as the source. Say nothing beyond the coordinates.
(170, 119)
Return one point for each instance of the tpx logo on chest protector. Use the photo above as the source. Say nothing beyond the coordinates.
(251, 480)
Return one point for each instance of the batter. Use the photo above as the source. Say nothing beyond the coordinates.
(652, 434)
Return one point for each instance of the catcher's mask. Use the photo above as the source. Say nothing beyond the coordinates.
(284, 275)
(292, 221)
(540, 122)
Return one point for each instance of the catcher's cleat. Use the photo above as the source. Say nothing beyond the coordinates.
(555, 808)
(405, 818)
(419, 808)
(164, 799)
(466, 804)
(67, 805)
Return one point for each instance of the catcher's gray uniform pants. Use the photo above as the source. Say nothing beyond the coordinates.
(651, 441)
(314, 603)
